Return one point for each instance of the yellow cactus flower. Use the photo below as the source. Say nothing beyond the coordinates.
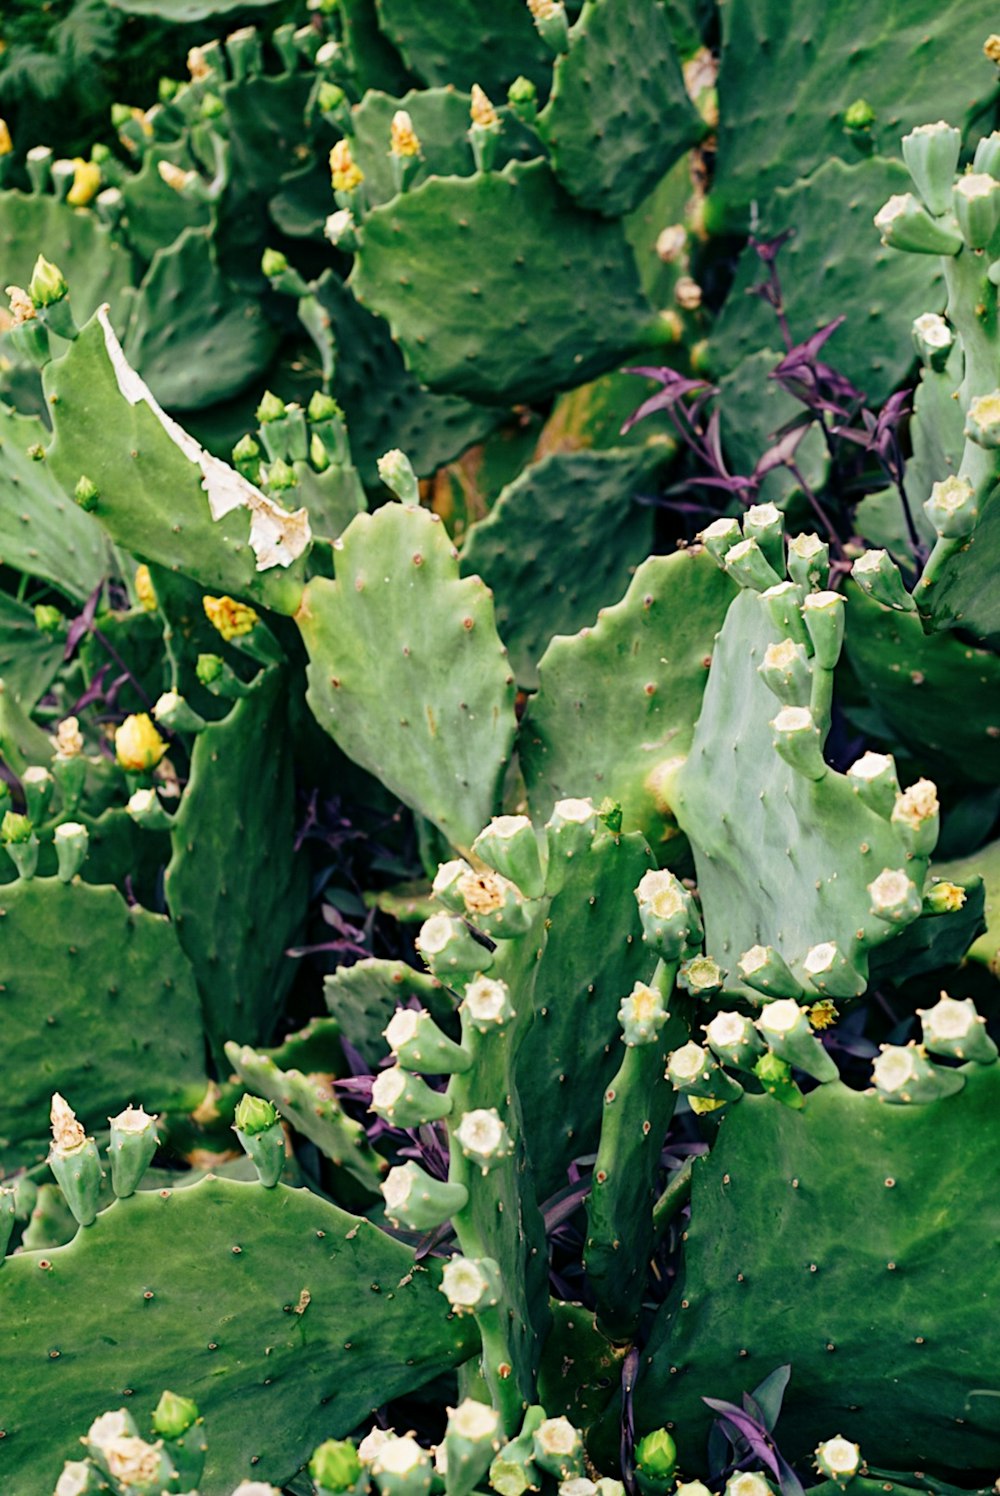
(6, 144)
(991, 48)
(403, 139)
(86, 183)
(482, 111)
(822, 1014)
(144, 589)
(344, 170)
(138, 745)
(232, 619)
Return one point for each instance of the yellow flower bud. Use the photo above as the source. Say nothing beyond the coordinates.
(482, 111)
(403, 139)
(344, 170)
(6, 144)
(175, 177)
(86, 183)
(232, 619)
(144, 589)
(138, 745)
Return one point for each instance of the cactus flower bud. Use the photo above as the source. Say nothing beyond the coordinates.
(74, 1160)
(48, 620)
(808, 560)
(484, 1139)
(449, 948)
(719, 537)
(470, 1442)
(262, 1137)
(916, 815)
(953, 508)
(558, 1448)
(873, 779)
(775, 1075)
(797, 738)
(86, 495)
(419, 1202)
(904, 223)
(48, 284)
(231, 619)
(785, 670)
(471, 1285)
(271, 408)
(147, 812)
(273, 263)
(78, 1478)
(18, 837)
(418, 1044)
(859, 116)
(335, 1467)
(403, 139)
(895, 897)
(701, 976)
(86, 183)
(838, 1459)
(176, 715)
(445, 886)
(879, 578)
(402, 1468)
(6, 143)
(955, 1029)
(747, 1483)
(642, 1015)
(396, 472)
(71, 841)
(734, 1040)
(68, 738)
(785, 1027)
(405, 1100)
(784, 608)
(569, 831)
(823, 613)
(509, 846)
(174, 1415)
(655, 1463)
(668, 914)
(345, 173)
(830, 972)
(370, 1445)
(765, 969)
(748, 566)
(976, 200)
(931, 154)
(487, 1005)
(133, 1143)
(906, 1075)
(138, 745)
(692, 1070)
(551, 23)
(522, 96)
(765, 523)
(933, 340)
(943, 897)
(208, 668)
(38, 785)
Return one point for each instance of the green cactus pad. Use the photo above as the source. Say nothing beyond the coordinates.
(790, 72)
(446, 262)
(88, 979)
(963, 595)
(430, 429)
(934, 942)
(42, 531)
(192, 337)
(984, 863)
(286, 1319)
(237, 906)
(155, 213)
(619, 115)
(937, 694)
(781, 1265)
(374, 60)
(180, 11)
(364, 997)
(591, 958)
(98, 268)
(29, 659)
(562, 539)
(595, 727)
(831, 213)
(436, 724)
(462, 43)
(782, 860)
(151, 500)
